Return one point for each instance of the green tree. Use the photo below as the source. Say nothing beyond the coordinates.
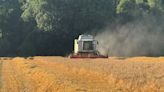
(41, 11)
(9, 24)
(148, 5)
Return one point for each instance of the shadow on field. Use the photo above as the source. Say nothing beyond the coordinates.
(12, 57)
(121, 58)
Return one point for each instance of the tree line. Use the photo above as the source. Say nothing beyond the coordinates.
(48, 27)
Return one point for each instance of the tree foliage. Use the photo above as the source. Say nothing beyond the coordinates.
(128, 5)
(48, 27)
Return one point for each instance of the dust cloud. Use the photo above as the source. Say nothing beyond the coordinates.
(143, 37)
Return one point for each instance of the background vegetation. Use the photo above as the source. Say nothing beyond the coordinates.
(48, 27)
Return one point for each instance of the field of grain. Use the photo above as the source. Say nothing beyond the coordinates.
(58, 74)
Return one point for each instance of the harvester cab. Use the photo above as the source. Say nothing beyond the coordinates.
(86, 47)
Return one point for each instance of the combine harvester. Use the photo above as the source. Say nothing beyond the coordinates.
(86, 47)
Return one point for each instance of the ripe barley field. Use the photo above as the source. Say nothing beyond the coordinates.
(59, 74)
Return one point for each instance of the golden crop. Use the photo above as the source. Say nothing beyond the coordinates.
(57, 74)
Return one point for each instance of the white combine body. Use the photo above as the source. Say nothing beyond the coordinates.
(86, 47)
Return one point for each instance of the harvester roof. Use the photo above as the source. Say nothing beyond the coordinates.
(85, 37)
